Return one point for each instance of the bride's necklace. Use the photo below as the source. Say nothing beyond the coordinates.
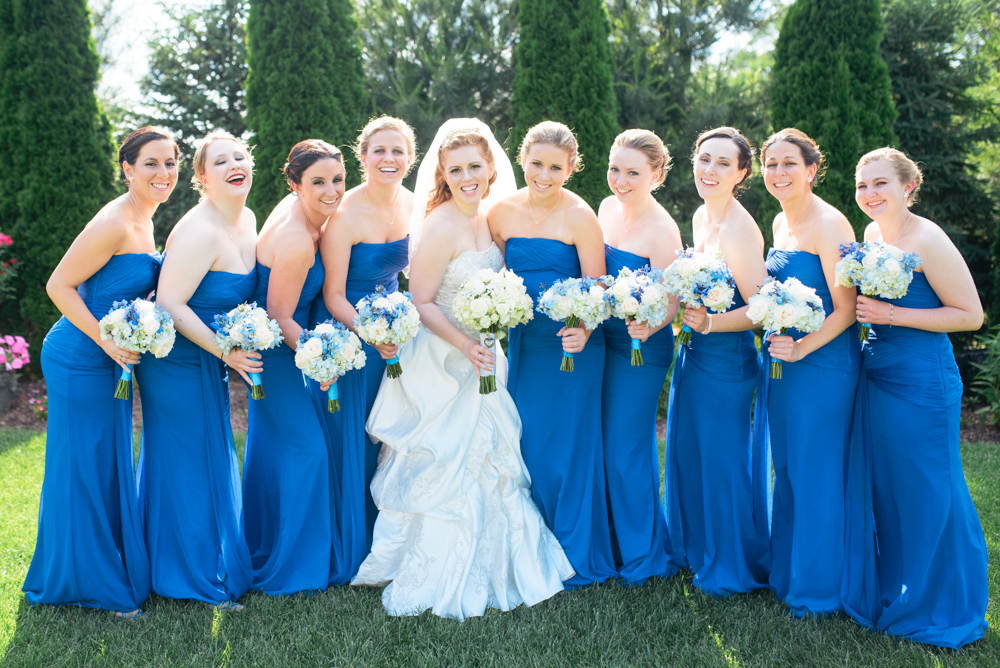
(372, 207)
(899, 236)
(538, 221)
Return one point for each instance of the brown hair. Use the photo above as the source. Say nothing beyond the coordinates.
(743, 144)
(132, 145)
(305, 154)
(807, 147)
(200, 155)
(650, 146)
(905, 168)
(556, 134)
(385, 123)
(441, 193)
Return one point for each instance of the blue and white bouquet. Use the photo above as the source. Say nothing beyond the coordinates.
(779, 307)
(491, 302)
(638, 295)
(878, 269)
(328, 352)
(248, 328)
(387, 318)
(575, 302)
(140, 326)
(700, 279)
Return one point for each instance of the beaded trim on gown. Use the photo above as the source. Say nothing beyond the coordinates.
(457, 531)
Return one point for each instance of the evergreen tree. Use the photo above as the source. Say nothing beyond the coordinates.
(563, 73)
(829, 80)
(305, 81)
(58, 166)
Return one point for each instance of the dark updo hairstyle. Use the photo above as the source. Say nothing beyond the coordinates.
(304, 155)
(744, 146)
(131, 145)
(441, 193)
(807, 147)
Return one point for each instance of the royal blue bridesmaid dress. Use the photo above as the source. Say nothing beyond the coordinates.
(810, 412)
(289, 493)
(90, 550)
(189, 474)
(921, 573)
(716, 487)
(355, 456)
(561, 436)
(631, 457)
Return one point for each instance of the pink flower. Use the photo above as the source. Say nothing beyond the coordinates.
(17, 364)
(9, 339)
(5, 240)
(3, 356)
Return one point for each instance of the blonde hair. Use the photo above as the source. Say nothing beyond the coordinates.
(905, 168)
(650, 146)
(555, 134)
(441, 193)
(385, 123)
(201, 155)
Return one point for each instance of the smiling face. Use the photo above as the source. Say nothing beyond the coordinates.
(154, 174)
(228, 169)
(467, 174)
(630, 175)
(387, 157)
(879, 191)
(716, 167)
(546, 168)
(786, 174)
(322, 187)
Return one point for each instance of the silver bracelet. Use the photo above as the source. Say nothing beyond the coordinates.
(709, 324)
(892, 308)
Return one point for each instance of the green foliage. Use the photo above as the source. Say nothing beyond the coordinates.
(563, 72)
(829, 80)
(305, 81)
(985, 388)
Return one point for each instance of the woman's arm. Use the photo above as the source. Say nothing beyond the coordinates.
(289, 269)
(589, 242)
(662, 253)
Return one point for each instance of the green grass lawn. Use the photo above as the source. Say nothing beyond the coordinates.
(665, 623)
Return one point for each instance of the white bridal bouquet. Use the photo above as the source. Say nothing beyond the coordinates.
(140, 326)
(576, 301)
(387, 318)
(638, 295)
(700, 279)
(248, 328)
(328, 352)
(878, 269)
(783, 306)
(490, 302)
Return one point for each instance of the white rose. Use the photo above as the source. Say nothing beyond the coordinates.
(892, 267)
(715, 297)
(894, 252)
(382, 303)
(348, 353)
(325, 328)
(562, 309)
(768, 288)
(503, 308)
(116, 316)
(786, 315)
(630, 305)
(652, 293)
(145, 307)
(597, 293)
(265, 337)
(800, 292)
(162, 348)
(621, 290)
(236, 334)
(355, 341)
(684, 266)
(478, 307)
(758, 310)
(474, 286)
(150, 322)
(870, 261)
(397, 298)
(377, 332)
(309, 350)
(485, 322)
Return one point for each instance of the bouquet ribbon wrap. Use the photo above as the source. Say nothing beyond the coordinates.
(124, 387)
(392, 367)
(685, 336)
(775, 364)
(256, 386)
(488, 379)
(333, 399)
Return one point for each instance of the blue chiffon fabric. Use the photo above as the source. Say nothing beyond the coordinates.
(289, 492)
(631, 456)
(916, 561)
(189, 475)
(90, 549)
(561, 437)
(355, 457)
(810, 414)
(717, 482)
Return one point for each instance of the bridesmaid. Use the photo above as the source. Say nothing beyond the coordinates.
(927, 581)
(817, 387)
(288, 488)
(547, 234)
(363, 246)
(90, 549)
(190, 476)
(638, 232)
(716, 518)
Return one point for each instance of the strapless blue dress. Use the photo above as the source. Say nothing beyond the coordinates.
(189, 475)
(289, 493)
(810, 412)
(631, 456)
(716, 480)
(90, 550)
(920, 570)
(561, 437)
(355, 456)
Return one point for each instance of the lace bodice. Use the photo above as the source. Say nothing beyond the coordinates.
(458, 271)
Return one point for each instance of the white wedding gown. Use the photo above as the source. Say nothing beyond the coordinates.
(457, 530)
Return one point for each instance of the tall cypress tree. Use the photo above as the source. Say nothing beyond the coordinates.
(58, 143)
(563, 73)
(829, 80)
(305, 81)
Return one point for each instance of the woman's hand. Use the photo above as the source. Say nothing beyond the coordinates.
(122, 356)
(696, 318)
(784, 348)
(481, 357)
(873, 312)
(639, 330)
(244, 363)
(324, 386)
(386, 350)
(573, 339)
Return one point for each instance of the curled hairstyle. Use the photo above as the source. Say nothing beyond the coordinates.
(743, 145)
(441, 193)
(807, 147)
(304, 155)
(650, 146)
(201, 155)
(377, 125)
(555, 134)
(131, 145)
(905, 168)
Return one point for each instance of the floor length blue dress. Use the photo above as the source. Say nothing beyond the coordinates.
(561, 438)
(189, 475)
(920, 570)
(716, 489)
(90, 549)
(810, 412)
(289, 492)
(631, 457)
(355, 456)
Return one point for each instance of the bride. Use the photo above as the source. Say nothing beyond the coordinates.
(457, 530)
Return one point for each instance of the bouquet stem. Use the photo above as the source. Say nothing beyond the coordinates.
(684, 337)
(488, 380)
(256, 386)
(863, 332)
(776, 369)
(124, 387)
(637, 353)
(567, 360)
(392, 368)
(332, 399)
